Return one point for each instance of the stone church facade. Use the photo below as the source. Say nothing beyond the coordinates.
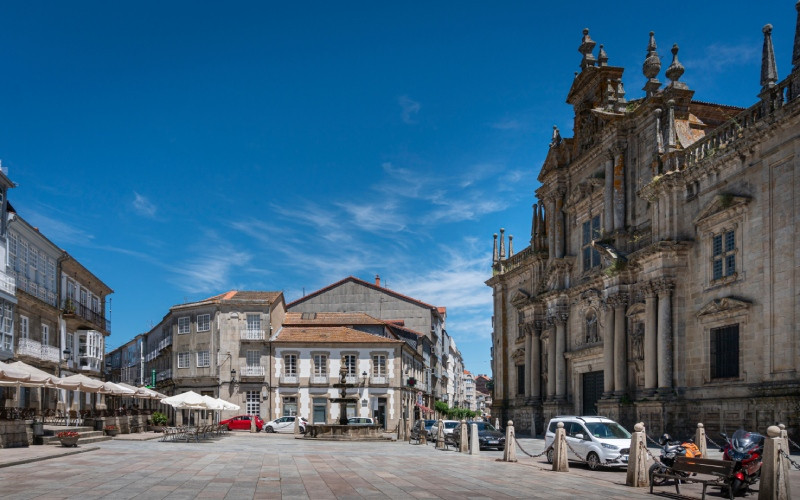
(662, 279)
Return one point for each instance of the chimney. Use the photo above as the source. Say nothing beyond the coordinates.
(377, 280)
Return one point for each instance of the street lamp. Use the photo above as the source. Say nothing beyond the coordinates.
(233, 376)
(67, 354)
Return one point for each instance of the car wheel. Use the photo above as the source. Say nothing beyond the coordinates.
(550, 456)
(593, 461)
(270, 429)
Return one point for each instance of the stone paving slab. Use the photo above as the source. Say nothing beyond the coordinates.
(244, 465)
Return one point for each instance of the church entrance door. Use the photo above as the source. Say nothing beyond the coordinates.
(592, 391)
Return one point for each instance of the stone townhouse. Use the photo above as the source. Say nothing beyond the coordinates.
(355, 295)
(383, 384)
(307, 364)
(217, 346)
(660, 283)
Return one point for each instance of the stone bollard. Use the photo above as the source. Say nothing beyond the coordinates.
(296, 425)
(440, 435)
(700, 440)
(637, 460)
(784, 436)
(253, 425)
(510, 449)
(474, 442)
(774, 482)
(560, 463)
(463, 445)
(423, 434)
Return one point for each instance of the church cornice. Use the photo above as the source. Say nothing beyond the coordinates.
(724, 307)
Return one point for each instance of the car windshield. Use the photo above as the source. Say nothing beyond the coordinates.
(429, 423)
(607, 430)
(450, 425)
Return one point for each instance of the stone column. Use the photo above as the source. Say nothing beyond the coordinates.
(551, 227)
(561, 363)
(551, 364)
(619, 189)
(528, 359)
(536, 362)
(608, 195)
(608, 350)
(650, 342)
(664, 290)
(620, 346)
(559, 232)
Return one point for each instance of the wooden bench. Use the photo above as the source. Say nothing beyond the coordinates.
(714, 472)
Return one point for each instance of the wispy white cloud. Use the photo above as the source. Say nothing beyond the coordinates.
(58, 231)
(375, 217)
(143, 206)
(506, 124)
(212, 270)
(409, 109)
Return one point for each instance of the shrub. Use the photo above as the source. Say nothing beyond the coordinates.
(158, 418)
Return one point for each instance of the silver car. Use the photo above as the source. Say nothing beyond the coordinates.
(597, 441)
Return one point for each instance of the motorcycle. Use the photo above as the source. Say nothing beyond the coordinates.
(744, 448)
(669, 450)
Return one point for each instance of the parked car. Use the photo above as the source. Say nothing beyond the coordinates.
(415, 429)
(285, 424)
(488, 435)
(449, 425)
(599, 441)
(242, 423)
(360, 421)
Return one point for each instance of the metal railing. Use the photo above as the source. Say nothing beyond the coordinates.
(319, 379)
(35, 349)
(252, 371)
(290, 379)
(252, 334)
(378, 379)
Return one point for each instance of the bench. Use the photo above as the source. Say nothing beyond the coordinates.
(684, 469)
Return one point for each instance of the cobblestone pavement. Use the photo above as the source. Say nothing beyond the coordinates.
(243, 465)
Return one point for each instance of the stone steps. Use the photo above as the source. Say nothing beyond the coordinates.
(87, 436)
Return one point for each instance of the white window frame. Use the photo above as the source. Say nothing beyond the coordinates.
(183, 359)
(203, 359)
(379, 365)
(253, 357)
(203, 322)
(24, 328)
(290, 368)
(320, 365)
(45, 334)
(184, 325)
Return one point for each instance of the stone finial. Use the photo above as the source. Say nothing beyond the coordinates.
(699, 425)
(651, 67)
(502, 244)
(510, 245)
(586, 48)
(769, 69)
(602, 57)
(639, 427)
(675, 70)
(773, 431)
(494, 250)
(796, 50)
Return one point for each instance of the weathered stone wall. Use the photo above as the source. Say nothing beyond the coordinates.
(15, 433)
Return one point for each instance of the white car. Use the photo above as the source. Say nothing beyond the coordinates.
(597, 441)
(360, 421)
(285, 424)
(449, 426)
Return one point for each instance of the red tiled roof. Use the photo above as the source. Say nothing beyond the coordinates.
(339, 334)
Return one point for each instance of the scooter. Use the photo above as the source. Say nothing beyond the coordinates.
(669, 450)
(744, 448)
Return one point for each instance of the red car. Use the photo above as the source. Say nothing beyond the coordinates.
(242, 422)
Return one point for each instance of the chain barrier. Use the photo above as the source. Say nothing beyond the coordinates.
(653, 440)
(712, 442)
(533, 456)
(793, 443)
(787, 457)
(582, 459)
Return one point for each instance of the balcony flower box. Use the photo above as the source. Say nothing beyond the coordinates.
(68, 438)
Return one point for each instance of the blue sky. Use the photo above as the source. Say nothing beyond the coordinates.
(183, 149)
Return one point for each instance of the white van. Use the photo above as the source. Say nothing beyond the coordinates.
(597, 441)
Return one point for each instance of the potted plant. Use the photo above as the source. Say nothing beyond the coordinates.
(159, 421)
(111, 430)
(68, 438)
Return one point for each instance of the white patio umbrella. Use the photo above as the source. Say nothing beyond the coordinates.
(84, 383)
(37, 377)
(227, 405)
(13, 375)
(117, 390)
(187, 401)
(153, 393)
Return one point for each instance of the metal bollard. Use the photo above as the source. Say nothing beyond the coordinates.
(700, 440)
(774, 482)
(637, 459)
(464, 439)
(560, 463)
(510, 449)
